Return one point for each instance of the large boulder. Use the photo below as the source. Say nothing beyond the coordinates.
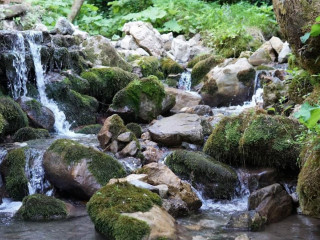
(219, 181)
(39, 115)
(182, 127)
(142, 99)
(105, 82)
(146, 37)
(272, 202)
(123, 211)
(180, 50)
(11, 11)
(170, 66)
(256, 139)
(99, 51)
(39, 207)
(309, 179)
(229, 83)
(295, 19)
(246, 221)
(160, 174)
(78, 170)
(183, 98)
(264, 55)
(13, 173)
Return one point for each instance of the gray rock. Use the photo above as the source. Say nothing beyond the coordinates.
(276, 44)
(175, 207)
(246, 221)
(285, 53)
(128, 43)
(265, 54)
(11, 11)
(64, 27)
(125, 137)
(180, 50)
(129, 150)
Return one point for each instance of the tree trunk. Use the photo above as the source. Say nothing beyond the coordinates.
(75, 9)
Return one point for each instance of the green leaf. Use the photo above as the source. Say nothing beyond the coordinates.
(305, 37)
(315, 30)
(172, 26)
(318, 19)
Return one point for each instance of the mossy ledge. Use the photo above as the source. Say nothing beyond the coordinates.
(39, 207)
(107, 204)
(28, 133)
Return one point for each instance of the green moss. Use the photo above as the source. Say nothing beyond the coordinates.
(16, 182)
(263, 67)
(41, 207)
(79, 109)
(34, 105)
(218, 179)
(135, 128)
(90, 129)
(256, 140)
(169, 66)
(309, 178)
(149, 66)
(197, 59)
(300, 85)
(13, 115)
(102, 166)
(28, 133)
(200, 70)
(171, 82)
(106, 82)
(130, 97)
(77, 84)
(293, 62)
(107, 204)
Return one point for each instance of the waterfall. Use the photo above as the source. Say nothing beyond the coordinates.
(61, 125)
(18, 79)
(185, 81)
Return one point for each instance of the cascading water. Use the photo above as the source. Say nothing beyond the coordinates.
(185, 81)
(61, 125)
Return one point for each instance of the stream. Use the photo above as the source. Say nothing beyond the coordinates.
(208, 223)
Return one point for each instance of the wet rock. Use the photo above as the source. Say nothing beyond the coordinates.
(229, 84)
(246, 221)
(285, 53)
(28, 133)
(40, 27)
(242, 237)
(146, 136)
(125, 137)
(152, 154)
(182, 127)
(78, 170)
(175, 207)
(11, 11)
(201, 110)
(158, 174)
(39, 115)
(183, 98)
(219, 181)
(146, 37)
(271, 202)
(64, 27)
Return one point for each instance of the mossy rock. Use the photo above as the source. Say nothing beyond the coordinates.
(135, 128)
(197, 59)
(90, 129)
(106, 82)
(202, 68)
(65, 155)
(170, 66)
(66, 59)
(144, 99)
(265, 68)
(13, 118)
(301, 85)
(38, 207)
(257, 140)
(12, 170)
(77, 83)
(28, 133)
(107, 204)
(79, 109)
(150, 66)
(218, 179)
(309, 179)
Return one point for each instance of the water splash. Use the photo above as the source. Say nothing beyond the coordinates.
(185, 81)
(62, 126)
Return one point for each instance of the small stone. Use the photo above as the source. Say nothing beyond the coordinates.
(163, 190)
(130, 150)
(125, 137)
(146, 136)
(64, 27)
(114, 147)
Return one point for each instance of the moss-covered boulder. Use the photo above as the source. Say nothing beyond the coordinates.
(295, 19)
(150, 66)
(79, 109)
(197, 59)
(257, 140)
(13, 118)
(112, 210)
(170, 66)
(89, 129)
(12, 170)
(38, 115)
(105, 82)
(28, 133)
(219, 180)
(135, 128)
(99, 51)
(142, 99)
(78, 170)
(39, 207)
(309, 179)
(201, 69)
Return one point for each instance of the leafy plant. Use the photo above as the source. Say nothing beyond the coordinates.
(315, 31)
(309, 116)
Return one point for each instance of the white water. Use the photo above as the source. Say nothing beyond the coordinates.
(62, 126)
(185, 81)
(18, 81)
